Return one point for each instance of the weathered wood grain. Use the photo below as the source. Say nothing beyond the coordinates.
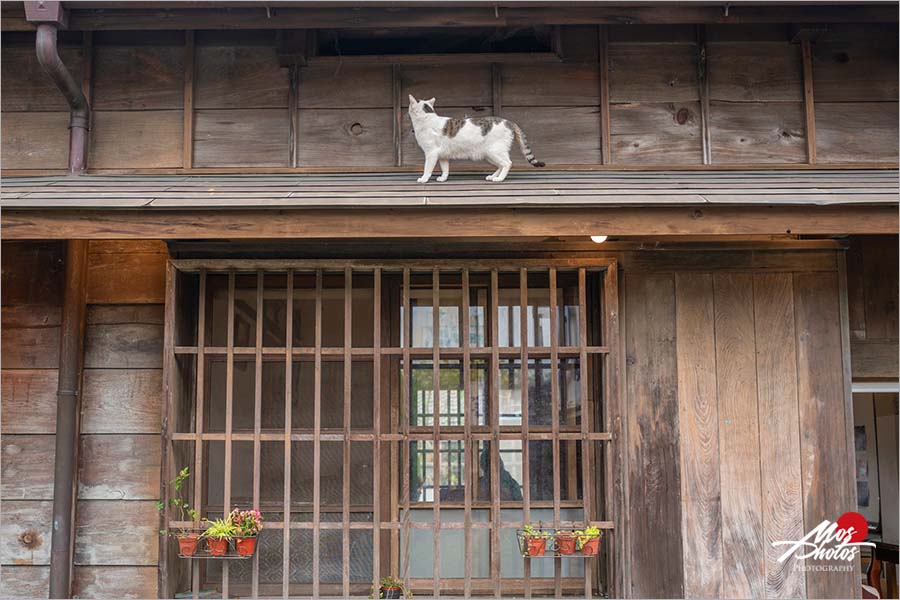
(652, 34)
(124, 337)
(856, 289)
(30, 337)
(778, 426)
(880, 256)
(27, 467)
(21, 260)
(564, 135)
(24, 582)
(121, 401)
(256, 137)
(760, 133)
(698, 428)
(29, 400)
(233, 76)
(116, 533)
(827, 476)
(652, 73)
(345, 136)
(126, 278)
(859, 70)
(731, 260)
(26, 87)
(115, 582)
(35, 140)
(743, 554)
(138, 77)
(350, 86)
(874, 359)
(856, 131)
(654, 477)
(154, 139)
(755, 72)
(119, 467)
(570, 84)
(469, 85)
(25, 527)
(651, 133)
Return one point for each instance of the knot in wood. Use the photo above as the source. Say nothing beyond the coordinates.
(356, 129)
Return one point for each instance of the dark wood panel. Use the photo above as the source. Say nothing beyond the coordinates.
(579, 43)
(723, 260)
(779, 442)
(126, 278)
(650, 133)
(239, 77)
(654, 478)
(119, 467)
(29, 400)
(698, 427)
(138, 77)
(35, 140)
(27, 467)
(360, 137)
(347, 87)
(122, 532)
(124, 337)
(258, 137)
(874, 359)
(856, 289)
(24, 582)
(26, 87)
(743, 553)
(652, 34)
(758, 132)
(559, 136)
(131, 139)
(115, 582)
(121, 401)
(850, 132)
(755, 72)
(880, 256)
(21, 260)
(452, 85)
(25, 528)
(862, 68)
(653, 73)
(827, 476)
(570, 84)
(30, 337)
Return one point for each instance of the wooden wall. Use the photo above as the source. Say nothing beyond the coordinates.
(671, 95)
(120, 421)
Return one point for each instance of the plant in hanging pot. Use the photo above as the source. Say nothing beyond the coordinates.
(390, 587)
(218, 534)
(249, 524)
(565, 542)
(187, 539)
(535, 541)
(589, 541)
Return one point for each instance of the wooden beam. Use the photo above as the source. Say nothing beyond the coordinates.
(603, 60)
(496, 89)
(396, 93)
(187, 154)
(808, 101)
(703, 83)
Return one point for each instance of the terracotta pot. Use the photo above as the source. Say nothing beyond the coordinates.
(217, 546)
(390, 592)
(535, 546)
(591, 546)
(187, 544)
(565, 544)
(245, 545)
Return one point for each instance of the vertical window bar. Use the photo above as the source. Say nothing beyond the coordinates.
(613, 423)
(467, 444)
(257, 418)
(436, 418)
(585, 419)
(198, 428)
(376, 426)
(229, 402)
(495, 437)
(348, 364)
(554, 409)
(288, 388)
(317, 426)
(404, 425)
(526, 464)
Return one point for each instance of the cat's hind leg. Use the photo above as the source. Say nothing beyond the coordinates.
(445, 169)
(493, 175)
(430, 162)
(504, 163)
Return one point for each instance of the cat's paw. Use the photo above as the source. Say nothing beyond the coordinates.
(442, 178)
(489, 178)
(422, 179)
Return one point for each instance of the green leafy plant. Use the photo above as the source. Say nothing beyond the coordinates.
(248, 522)
(530, 531)
(390, 583)
(221, 529)
(588, 534)
(185, 511)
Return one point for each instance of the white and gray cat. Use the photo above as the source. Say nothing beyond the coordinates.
(482, 138)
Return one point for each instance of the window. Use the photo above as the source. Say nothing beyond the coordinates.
(396, 418)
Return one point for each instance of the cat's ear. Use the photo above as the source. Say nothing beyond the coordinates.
(430, 102)
(412, 100)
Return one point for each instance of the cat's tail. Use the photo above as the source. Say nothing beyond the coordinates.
(525, 147)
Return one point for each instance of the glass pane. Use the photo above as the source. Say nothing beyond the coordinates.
(478, 310)
(242, 474)
(360, 555)
(275, 310)
(363, 315)
(421, 541)
(332, 394)
(187, 294)
(480, 401)
(331, 551)
(245, 310)
(511, 470)
(509, 312)
(301, 555)
(452, 398)
(421, 471)
(510, 391)
(332, 410)
(453, 470)
(214, 459)
(271, 473)
(304, 310)
(361, 393)
(570, 469)
(216, 325)
(272, 416)
(243, 394)
(215, 383)
(453, 545)
(361, 473)
(483, 452)
(567, 303)
(570, 392)
(540, 390)
(301, 472)
(303, 394)
(331, 473)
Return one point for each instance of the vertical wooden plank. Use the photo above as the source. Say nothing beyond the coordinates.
(165, 585)
(229, 423)
(554, 420)
(778, 425)
(703, 83)
(198, 427)
(288, 425)
(603, 65)
(404, 424)
(348, 365)
(436, 427)
(495, 437)
(257, 417)
(845, 366)
(467, 425)
(699, 435)
(526, 463)
(743, 553)
(397, 132)
(294, 112)
(377, 492)
(317, 426)
(827, 475)
(586, 420)
(496, 88)
(654, 477)
(615, 414)
(187, 154)
(809, 101)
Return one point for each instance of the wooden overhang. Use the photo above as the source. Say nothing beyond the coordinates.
(393, 205)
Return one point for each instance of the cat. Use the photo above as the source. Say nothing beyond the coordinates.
(482, 138)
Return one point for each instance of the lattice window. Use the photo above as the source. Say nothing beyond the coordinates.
(380, 436)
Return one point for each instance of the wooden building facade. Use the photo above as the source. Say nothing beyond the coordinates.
(400, 376)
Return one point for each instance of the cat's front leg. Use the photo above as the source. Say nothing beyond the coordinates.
(430, 162)
(445, 170)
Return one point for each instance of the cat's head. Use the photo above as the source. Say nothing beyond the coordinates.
(420, 107)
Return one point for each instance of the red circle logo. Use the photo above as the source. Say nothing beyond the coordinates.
(855, 521)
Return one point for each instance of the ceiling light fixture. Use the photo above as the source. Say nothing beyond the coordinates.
(598, 239)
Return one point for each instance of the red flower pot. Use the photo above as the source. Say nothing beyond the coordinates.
(535, 546)
(245, 545)
(591, 546)
(187, 544)
(565, 544)
(217, 546)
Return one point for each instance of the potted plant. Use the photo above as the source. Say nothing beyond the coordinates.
(218, 535)
(249, 524)
(535, 541)
(390, 587)
(589, 540)
(187, 539)
(565, 542)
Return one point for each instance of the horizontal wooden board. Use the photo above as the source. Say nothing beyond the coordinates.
(856, 131)
(235, 76)
(34, 140)
(127, 139)
(122, 532)
(25, 527)
(874, 359)
(128, 247)
(755, 72)
(29, 400)
(451, 85)
(650, 133)
(21, 260)
(652, 34)
(124, 337)
(750, 32)
(565, 135)
(879, 280)
(346, 87)
(859, 70)
(115, 582)
(127, 278)
(119, 467)
(256, 137)
(757, 132)
(653, 73)
(411, 152)
(332, 137)
(27, 467)
(579, 43)
(121, 401)
(571, 84)
(30, 337)
(676, 260)
(24, 582)
(138, 77)
(26, 87)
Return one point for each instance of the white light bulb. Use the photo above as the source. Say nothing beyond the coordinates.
(598, 239)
